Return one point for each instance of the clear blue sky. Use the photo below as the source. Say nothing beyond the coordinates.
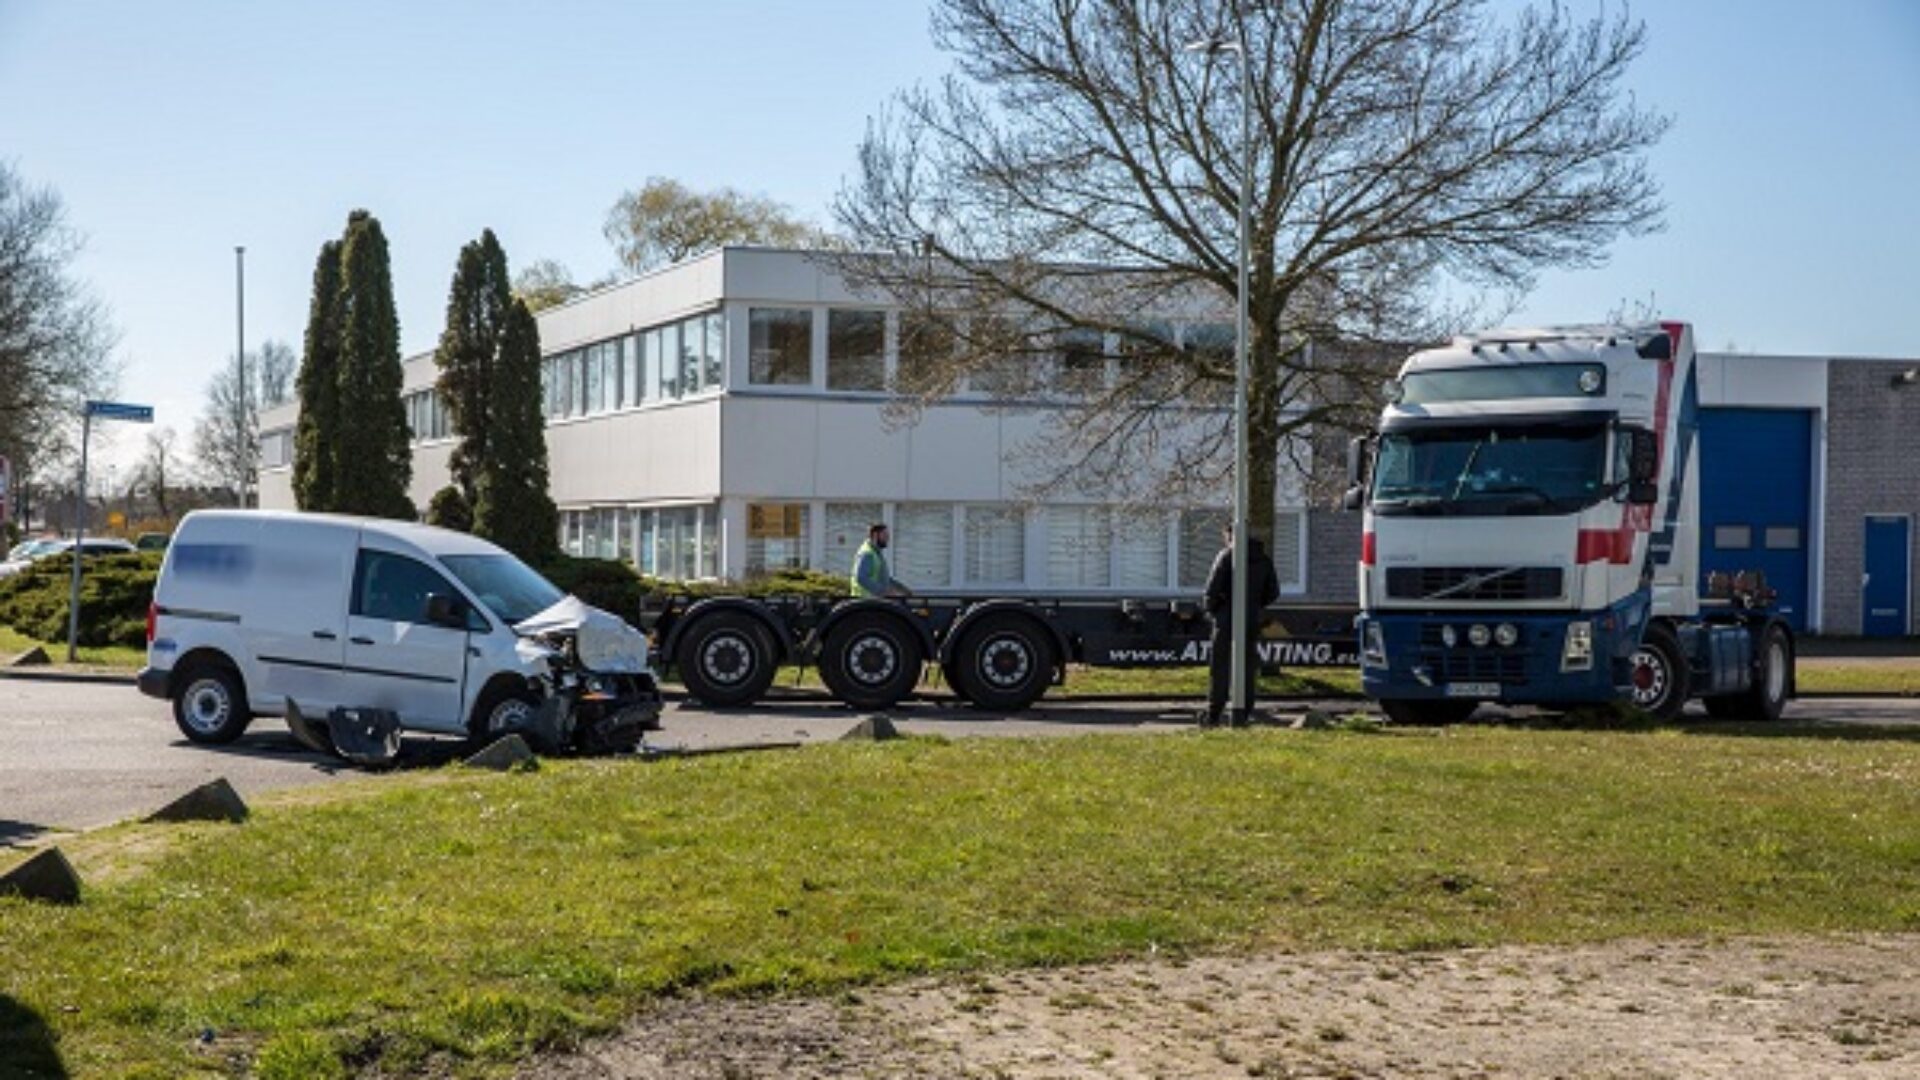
(176, 130)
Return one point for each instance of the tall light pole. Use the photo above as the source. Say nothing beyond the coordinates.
(1242, 364)
(240, 358)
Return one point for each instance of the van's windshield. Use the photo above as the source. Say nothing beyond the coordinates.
(511, 589)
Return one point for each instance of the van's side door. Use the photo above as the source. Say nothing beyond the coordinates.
(396, 659)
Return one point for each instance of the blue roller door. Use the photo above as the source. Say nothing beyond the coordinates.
(1756, 498)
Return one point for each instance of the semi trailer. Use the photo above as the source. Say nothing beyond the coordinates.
(1531, 510)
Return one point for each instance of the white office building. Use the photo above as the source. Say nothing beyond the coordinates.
(727, 416)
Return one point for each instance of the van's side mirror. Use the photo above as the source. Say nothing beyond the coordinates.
(446, 611)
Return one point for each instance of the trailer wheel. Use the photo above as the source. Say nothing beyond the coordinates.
(1772, 674)
(209, 704)
(1004, 662)
(1428, 713)
(871, 660)
(726, 659)
(1660, 677)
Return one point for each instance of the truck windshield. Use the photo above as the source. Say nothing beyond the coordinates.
(1478, 471)
(511, 589)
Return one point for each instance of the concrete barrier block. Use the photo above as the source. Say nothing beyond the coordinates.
(502, 754)
(212, 801)
(47, 877)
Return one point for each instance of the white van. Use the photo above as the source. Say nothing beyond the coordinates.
(297, 615)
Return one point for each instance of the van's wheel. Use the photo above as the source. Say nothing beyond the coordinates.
(1428, 713)
(210, 705)
(1005, 662)
(726, 659)
(1660, 677)
(1766, 699)
(871, 660)
(503, 710)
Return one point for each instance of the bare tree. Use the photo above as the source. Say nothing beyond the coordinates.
(55, 339)
(664, 221)
(156, 468)
(226, 437)
(1078, 181)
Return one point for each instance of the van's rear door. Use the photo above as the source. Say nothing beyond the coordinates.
(396, 658)
(296, 613)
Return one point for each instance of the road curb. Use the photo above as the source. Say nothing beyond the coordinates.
(102, 678)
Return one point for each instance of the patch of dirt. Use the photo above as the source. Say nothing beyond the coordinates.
(1746, 1008)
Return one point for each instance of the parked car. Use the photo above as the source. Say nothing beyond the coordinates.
(41, 549)
(152, 541)
(355, 628)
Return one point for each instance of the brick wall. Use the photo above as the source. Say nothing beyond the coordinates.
(1873, 467)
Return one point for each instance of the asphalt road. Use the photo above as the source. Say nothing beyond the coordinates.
(77, 755)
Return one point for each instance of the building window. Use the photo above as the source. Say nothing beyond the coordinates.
(669, 361)
(676, 542)
(996, 545)
(1140, 551)
(716, 326)
(564, 367)
(923, 545)
(1200, 541)
(927, 342)
(847, 525)
(596, 361)
(1733, 537)
(856, 350)
(1144, 370)
(1079, 547)
(693, 355)
(1082, 360)
(780, 351)
(276, 449)
(776, 537)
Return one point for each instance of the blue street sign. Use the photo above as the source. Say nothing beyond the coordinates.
(118, 410)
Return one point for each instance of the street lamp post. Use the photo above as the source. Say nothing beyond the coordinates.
(1239, 675)
(240, 358)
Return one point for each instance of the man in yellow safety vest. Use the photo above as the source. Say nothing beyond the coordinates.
(870, 576)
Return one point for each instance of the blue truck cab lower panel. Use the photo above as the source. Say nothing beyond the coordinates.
(1421, 666)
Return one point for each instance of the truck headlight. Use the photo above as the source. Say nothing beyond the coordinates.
(1373, 652)
(1578, 655)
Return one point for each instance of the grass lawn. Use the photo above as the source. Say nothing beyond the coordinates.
(13, 643)
(470, 919)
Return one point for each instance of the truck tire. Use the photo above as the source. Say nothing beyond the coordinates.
(871, 660)
(1766, 699)
(1428, 713)
(210, 705)
(1004, 662)
(1661, 679)
(726, 658)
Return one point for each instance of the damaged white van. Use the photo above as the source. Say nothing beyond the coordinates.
(355, 628)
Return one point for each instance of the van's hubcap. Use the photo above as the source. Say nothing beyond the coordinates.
(510, 715)
(207, 705)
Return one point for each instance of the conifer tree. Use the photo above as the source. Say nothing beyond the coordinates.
(511, 505)
(469, 349)
(318, 387)
(373, 462)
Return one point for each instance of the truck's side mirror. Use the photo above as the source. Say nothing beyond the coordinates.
(1643, 468)
(1354, 499)
(446, 611)
(1356, 495)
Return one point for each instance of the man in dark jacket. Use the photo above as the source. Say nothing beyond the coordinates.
(1262, 589)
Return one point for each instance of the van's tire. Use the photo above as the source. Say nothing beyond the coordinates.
(494, 713)
(210, 704)
(1409, 713)
(726, 658)
(1004, 662)
(1766, 699)
(871, 660)
(1659, 675)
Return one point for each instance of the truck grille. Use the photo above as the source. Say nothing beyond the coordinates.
(1515, 583)
(1478, 666)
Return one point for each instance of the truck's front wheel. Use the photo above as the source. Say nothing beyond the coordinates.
(1661, 678)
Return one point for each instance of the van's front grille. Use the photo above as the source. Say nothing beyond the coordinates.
(1475, 583)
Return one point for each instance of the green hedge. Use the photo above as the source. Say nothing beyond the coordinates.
(113, 599)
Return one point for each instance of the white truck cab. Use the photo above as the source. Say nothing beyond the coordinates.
(300, 615)
(1530, 536)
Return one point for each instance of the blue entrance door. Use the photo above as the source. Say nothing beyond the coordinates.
(1756, 498)
(1883, 592)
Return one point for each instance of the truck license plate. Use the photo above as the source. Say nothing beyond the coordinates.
(1473, 689)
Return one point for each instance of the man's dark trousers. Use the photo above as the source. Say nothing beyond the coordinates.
(1220, 670)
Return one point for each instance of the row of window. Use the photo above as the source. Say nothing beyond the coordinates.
(934, 545)
(427, 416)
(664, 363)
(872, 350)
(276, 448)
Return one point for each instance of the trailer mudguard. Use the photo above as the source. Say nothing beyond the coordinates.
(975, 612)
(783, 642)
(903, 610)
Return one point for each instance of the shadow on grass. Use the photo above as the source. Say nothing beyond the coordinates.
(26, 1045)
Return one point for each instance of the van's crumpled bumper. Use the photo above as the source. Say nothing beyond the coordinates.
(155, 682)
(607, 715)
